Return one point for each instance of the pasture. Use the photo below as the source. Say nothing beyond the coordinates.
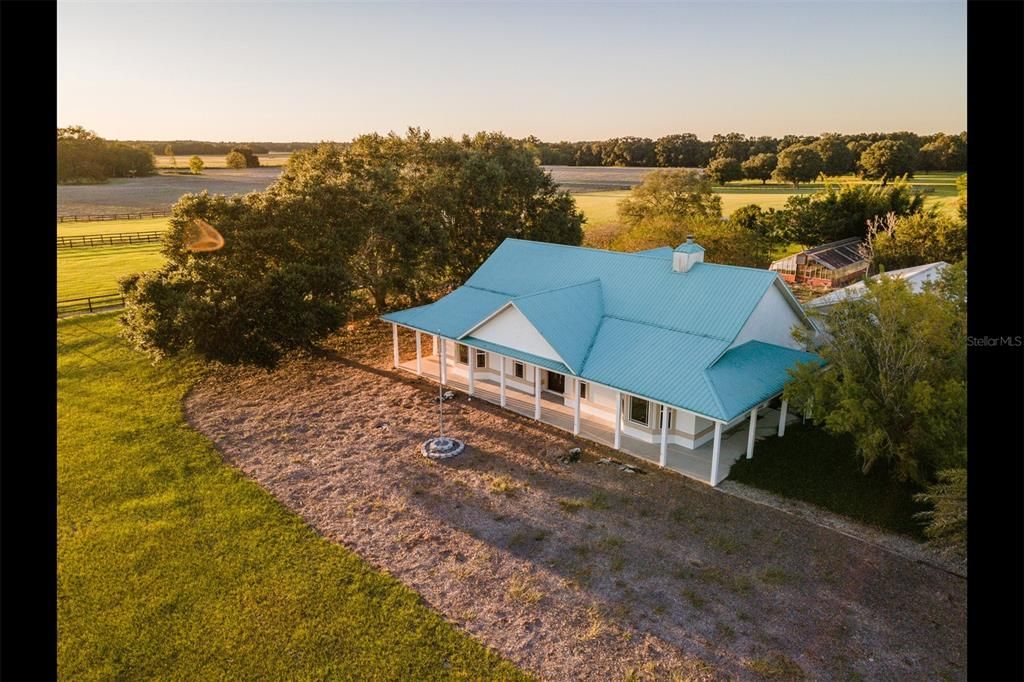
(601, 207)
(173, 565)
(92, 271)
(272, 160)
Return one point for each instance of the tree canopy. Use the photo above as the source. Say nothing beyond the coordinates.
(896, 379)
(796, 164)
(83, 156)
(402, 219)
(676, 194)
(723, 170)
(886, 160)
(760, 167)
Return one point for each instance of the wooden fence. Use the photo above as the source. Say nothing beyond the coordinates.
(89, 304)
(111, 216)
(111, 239)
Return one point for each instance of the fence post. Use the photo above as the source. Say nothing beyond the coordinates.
(89, 301)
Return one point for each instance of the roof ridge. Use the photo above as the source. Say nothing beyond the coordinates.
(548, 291)
(638, 254)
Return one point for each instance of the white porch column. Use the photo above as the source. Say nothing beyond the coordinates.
(419, 355)
(663, 460)
(576, 412)
(444, 363)
(536, 392)
(782, 418)
(618, 419)
(716, 450)
(394, 342)
(501, 392)
(751, 432)
(433, 345)
(471, 357)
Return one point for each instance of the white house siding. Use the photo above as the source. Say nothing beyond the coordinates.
(771, 322)
(511, 328)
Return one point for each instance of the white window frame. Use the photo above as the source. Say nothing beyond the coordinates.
(518, 369)
(629, 412)
(458, 354)
(671, 411)
(481, 355)
(583, 390)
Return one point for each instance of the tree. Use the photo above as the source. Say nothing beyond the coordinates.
(947, 520)
(944, 153)
(916, 239)
(83, 156)
(195, 164)
(247, 154)
(843, 209)
(836, 157)
(234, 159)
(723, 241)
(731, 146)
(722, 171)
(281, 281)
(887, 159)
(169, 151)
(760, 167)
(675, 194)
(796, 164)
(961, 198)
(681, 151)
(896, 379)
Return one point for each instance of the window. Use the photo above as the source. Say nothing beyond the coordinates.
(518, 369)
(463, 354)
(583, 390)
(638, 410)
(481, 358)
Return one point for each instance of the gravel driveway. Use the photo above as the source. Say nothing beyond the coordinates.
(572, 570)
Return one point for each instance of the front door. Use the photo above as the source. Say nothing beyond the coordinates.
(556, 382)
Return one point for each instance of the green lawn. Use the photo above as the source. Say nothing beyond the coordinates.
(94, 270)
(172, 565)
(601, 208)
(111, 226)
(811, 465)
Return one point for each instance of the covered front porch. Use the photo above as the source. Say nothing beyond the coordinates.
(708, 462)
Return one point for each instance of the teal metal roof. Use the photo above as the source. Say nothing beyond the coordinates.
(659, 252)
(689, 248)
(654, 362)
(625, 320)
(453, 315)
(751, 373)
(709, 300)
(529, 358)
(567, 318)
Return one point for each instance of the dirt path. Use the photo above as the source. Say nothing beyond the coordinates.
(573, 571)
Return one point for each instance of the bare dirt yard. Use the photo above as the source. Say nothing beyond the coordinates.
(572, 570)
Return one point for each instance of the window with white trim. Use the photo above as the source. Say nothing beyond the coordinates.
(481, 358)
(670, 412)
(519, 370)
(639, 411)
(583, 390)
(463, 354)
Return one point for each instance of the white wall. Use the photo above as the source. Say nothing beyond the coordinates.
(771, 321)
(511, 328)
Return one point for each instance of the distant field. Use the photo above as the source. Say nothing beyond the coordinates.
(601, 207)
(217, 160)
(93, 271)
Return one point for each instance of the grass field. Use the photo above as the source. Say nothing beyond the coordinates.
(601, 208)
(172, 565)
(111, 226)
(92, 271)
(814, 466)
(217, 160)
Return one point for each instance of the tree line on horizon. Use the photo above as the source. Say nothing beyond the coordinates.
(840, 153)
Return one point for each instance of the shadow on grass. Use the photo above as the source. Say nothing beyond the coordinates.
(812, 465)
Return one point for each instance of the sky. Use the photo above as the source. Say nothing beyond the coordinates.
(297, 71)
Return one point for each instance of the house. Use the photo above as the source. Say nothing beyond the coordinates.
(831, 265)
(915, 276)
(657, 353)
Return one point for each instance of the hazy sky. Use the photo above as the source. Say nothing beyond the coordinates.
(290, 71)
